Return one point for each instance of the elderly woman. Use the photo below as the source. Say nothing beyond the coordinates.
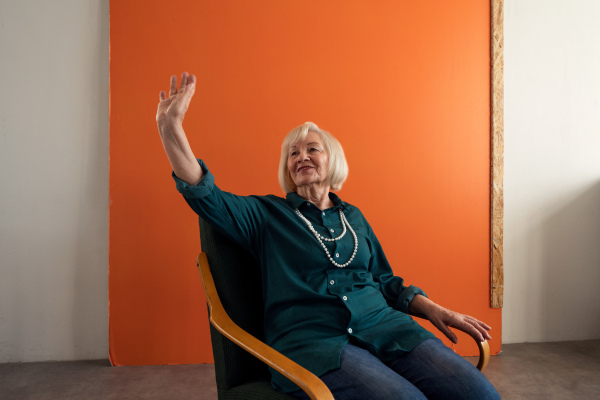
(332, 303)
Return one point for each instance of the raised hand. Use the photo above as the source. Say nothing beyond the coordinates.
(169, 118)
(171, 110)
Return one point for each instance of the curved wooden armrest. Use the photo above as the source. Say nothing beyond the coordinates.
(484, 347)
(309, 382)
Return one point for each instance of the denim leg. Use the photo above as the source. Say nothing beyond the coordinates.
(363, 376)
(430, 371)
(442, 374)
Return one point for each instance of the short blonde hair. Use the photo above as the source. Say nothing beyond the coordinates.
(337, 170)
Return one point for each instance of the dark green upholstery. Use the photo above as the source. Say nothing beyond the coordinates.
(237, 279)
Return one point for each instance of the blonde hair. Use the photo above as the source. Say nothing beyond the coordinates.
(337, 170)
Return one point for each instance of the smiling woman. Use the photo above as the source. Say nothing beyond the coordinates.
(312, 161)
(332, 317)
(308, 164)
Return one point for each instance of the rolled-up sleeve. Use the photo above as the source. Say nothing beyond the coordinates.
(199, 190)
(238, 217)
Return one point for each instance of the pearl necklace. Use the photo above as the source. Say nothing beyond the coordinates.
(320, 238)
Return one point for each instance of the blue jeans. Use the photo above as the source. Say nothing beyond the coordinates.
(430, 371)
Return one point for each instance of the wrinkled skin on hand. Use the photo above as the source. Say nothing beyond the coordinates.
(169, 119)
(171, 110)
(444, 319)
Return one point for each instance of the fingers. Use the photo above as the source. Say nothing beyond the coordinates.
(449, 334)
(174, 107)
(481, 327)
(475, 333)
(476, 328)
(183, 84)
(190, 89)
(173, 89)
(485, 333)
(186, 81)
(192, 82)
(484, 326)
(444, 328)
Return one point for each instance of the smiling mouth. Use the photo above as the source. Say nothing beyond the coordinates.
(305, 168)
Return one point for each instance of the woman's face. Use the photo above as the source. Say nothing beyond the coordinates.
(308, 161)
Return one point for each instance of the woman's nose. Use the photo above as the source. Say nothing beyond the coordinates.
(302, 156)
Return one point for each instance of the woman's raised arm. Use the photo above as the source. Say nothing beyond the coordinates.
(169, 118)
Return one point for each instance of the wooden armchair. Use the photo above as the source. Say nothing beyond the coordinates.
(236, 317)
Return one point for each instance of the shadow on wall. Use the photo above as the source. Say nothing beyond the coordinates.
(571, 269)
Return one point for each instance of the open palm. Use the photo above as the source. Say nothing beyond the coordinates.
(172, 109)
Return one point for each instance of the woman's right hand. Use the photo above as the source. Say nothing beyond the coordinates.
(171, 110)
(169, 118)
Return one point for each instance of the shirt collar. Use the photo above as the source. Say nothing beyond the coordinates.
(295, 201)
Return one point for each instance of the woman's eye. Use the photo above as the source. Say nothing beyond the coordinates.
(313, 149)
(293, 153)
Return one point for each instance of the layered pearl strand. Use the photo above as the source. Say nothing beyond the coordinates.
(320, 238)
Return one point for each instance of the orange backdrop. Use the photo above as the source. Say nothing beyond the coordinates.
(404, 85)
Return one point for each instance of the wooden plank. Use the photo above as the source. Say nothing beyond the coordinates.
(497, 150)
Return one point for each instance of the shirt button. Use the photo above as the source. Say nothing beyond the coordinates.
(323, 213)
(331, 282)
(308, 204)
(349, 330)
(345, 298)
(332, 230)
(337, 255)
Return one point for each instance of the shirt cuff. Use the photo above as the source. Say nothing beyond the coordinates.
(199, 190)
(407, 295)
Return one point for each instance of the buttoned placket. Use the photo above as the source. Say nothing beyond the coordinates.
(328, 219)
(330, 222)
(344, 298)
(347, 303)
(336, 280)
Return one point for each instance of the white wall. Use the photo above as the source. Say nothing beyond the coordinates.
(53, 180)
(552, 170)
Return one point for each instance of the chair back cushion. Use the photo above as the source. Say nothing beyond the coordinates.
(238, 281)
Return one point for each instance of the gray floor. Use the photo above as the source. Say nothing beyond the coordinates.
(566, 370)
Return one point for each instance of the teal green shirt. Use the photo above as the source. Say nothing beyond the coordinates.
(313, 308)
